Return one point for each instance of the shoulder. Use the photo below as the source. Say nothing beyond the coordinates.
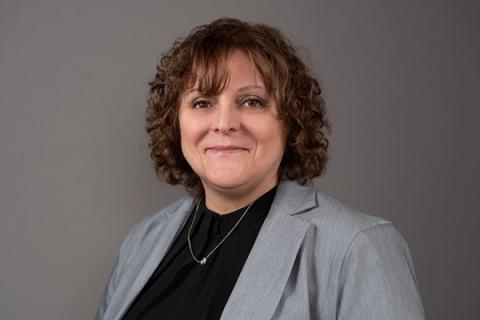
(349, 245)
(162, 215)
(363, 261)
(334, 217)
(336, 229)
(141, 230)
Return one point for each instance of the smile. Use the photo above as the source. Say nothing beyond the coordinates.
(226, 151)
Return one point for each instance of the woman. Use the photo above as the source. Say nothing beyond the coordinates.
(235, 116)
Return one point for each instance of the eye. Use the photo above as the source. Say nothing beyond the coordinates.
(253, 102)
(201, 104)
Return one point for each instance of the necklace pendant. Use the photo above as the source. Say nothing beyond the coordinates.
(204, 260)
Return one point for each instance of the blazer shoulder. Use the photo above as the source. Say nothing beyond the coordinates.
(150, 223)
(155, 219)
(336, 219)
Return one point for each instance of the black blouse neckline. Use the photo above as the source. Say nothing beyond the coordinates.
(225, 222)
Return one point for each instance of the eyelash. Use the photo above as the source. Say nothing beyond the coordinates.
(195, 104)
(260, 103)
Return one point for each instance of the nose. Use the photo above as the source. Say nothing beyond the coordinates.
(227, 119)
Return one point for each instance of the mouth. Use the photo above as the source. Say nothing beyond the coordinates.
(226, 150)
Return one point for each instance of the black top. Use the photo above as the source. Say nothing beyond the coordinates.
(181, 288)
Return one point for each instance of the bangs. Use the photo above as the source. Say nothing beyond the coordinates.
(208, 71)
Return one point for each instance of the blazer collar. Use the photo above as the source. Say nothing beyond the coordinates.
(260, 284)
(292, 198)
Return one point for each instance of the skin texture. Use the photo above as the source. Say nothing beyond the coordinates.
(242, 114)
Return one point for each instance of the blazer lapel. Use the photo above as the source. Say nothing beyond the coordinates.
(262, 280)
(145, 262)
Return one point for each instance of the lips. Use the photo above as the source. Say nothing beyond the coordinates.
(226, 149)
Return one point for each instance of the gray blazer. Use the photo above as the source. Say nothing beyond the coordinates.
(314, 258)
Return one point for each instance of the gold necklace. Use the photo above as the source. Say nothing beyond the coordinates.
(204, 260)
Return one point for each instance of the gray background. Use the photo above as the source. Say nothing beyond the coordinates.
(401, 80)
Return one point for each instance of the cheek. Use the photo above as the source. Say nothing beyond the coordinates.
(270, 136)
(273, 130)
(191, 132)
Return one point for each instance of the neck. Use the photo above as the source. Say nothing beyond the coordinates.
(226, 201)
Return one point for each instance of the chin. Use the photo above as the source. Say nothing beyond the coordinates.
(226, 183)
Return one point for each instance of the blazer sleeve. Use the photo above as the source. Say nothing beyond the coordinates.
(377, 278)
(108, 291)
(126, 250)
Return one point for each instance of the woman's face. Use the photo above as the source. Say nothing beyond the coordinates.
(242, 118)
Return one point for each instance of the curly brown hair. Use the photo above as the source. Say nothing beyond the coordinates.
(202, 56)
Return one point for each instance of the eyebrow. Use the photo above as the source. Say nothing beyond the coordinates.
(242, 89)
(246, 88)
